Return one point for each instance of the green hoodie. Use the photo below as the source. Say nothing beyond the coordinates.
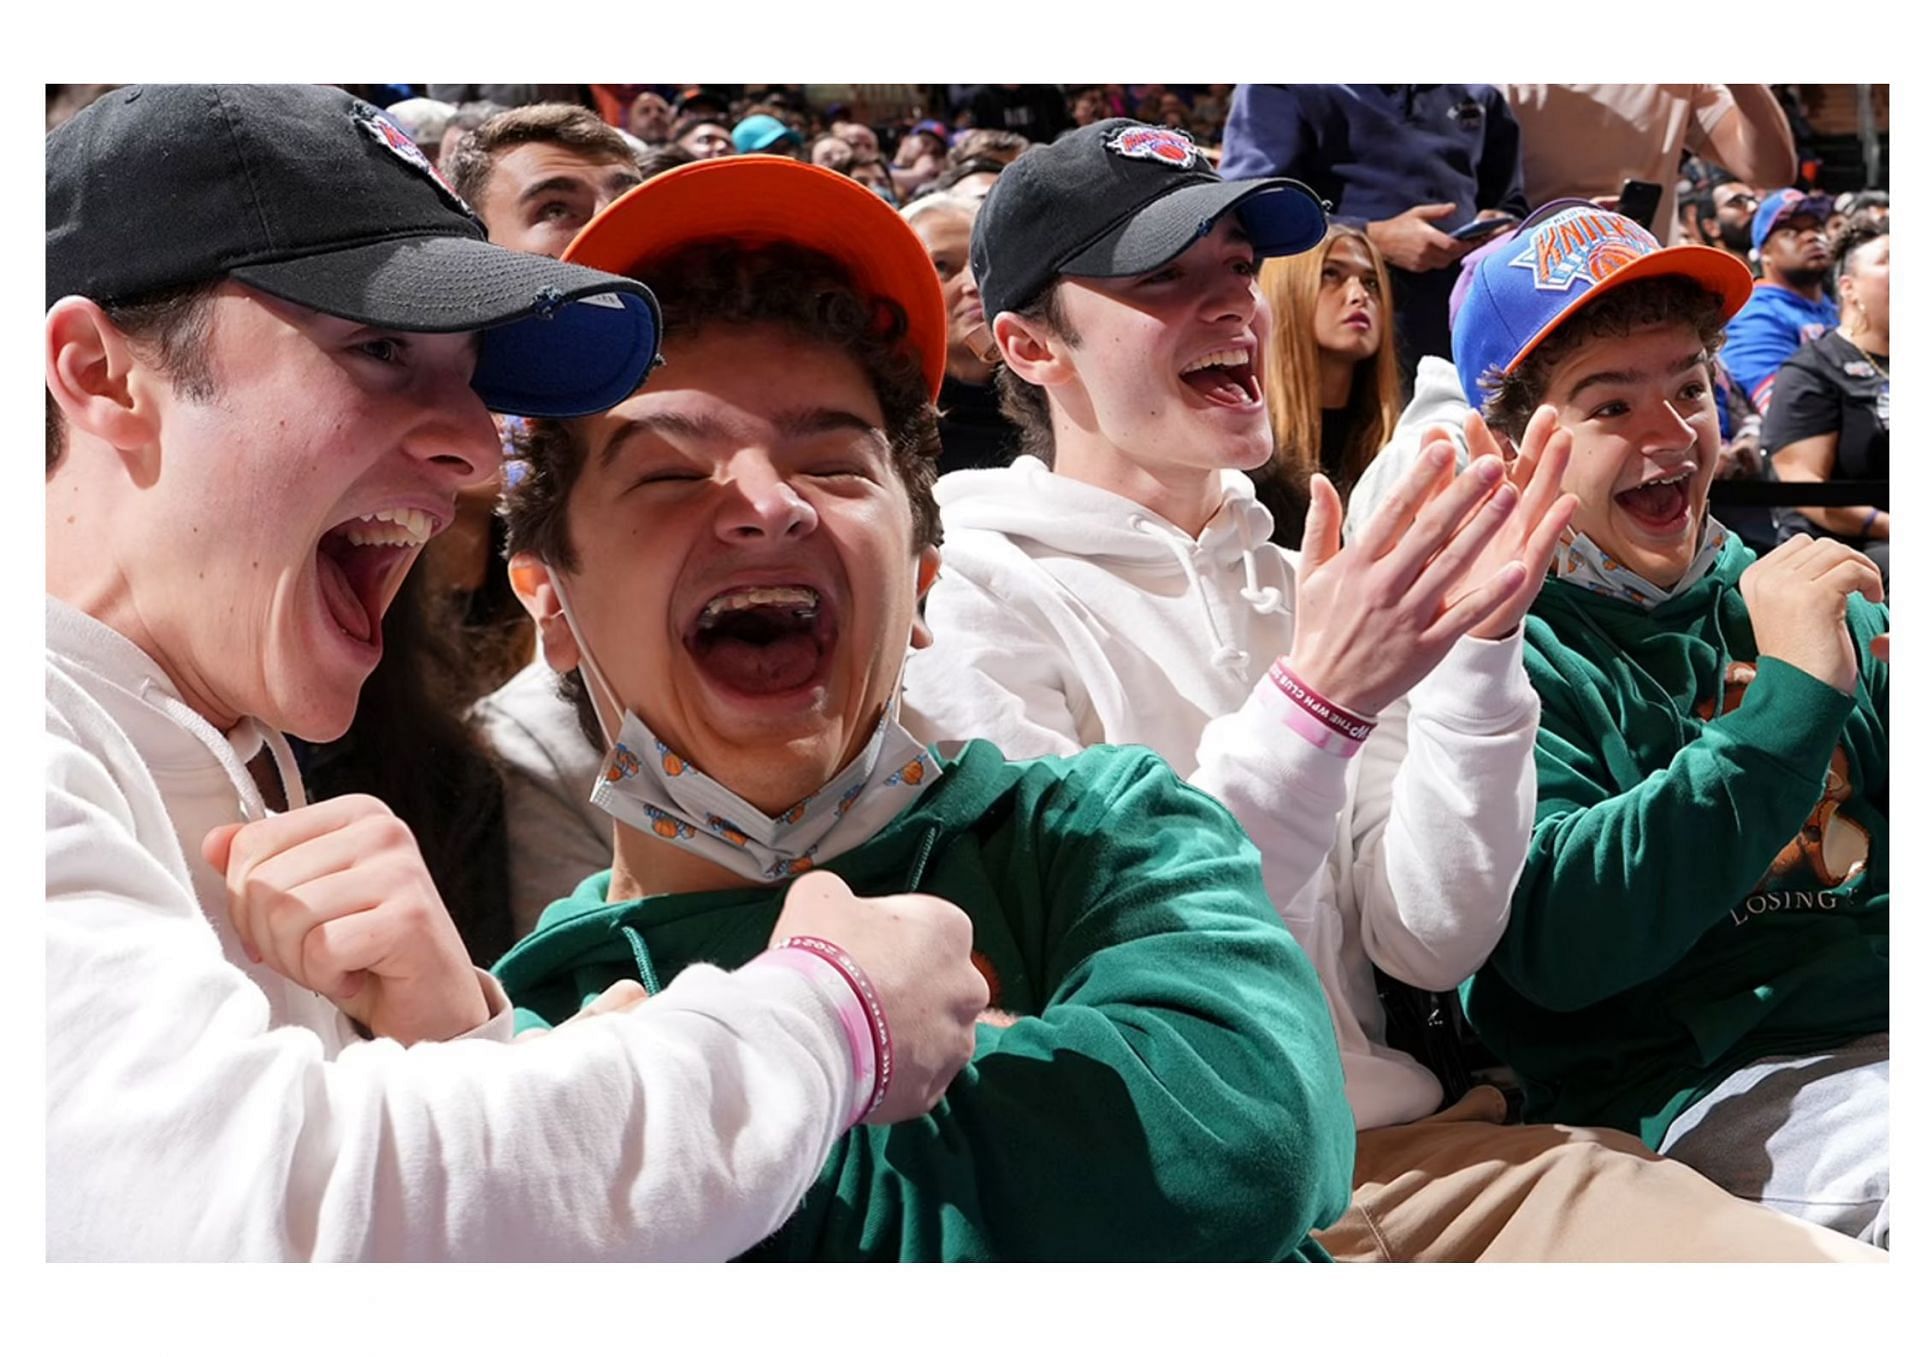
(1689, 903)
(1171, 1088)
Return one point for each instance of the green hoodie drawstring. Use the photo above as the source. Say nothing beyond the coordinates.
(642, 959)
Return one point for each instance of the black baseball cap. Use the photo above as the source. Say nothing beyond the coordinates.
(313, 196)
(1116, 199)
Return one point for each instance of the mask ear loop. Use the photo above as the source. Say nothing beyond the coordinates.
(594, 674)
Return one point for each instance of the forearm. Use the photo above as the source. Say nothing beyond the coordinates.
(185, 1120)
(1855, 520)
(1617, 890)
(1286, 793)
(1442, 832)
(686, 1130)
(1753, 140)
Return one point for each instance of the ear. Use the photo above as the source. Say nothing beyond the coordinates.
(1034, 354)
(102, 390)
(533, 585)
(929, 570)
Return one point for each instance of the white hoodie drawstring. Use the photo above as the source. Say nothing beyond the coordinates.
(252, 803)
(1264, 598)
(1224, 656)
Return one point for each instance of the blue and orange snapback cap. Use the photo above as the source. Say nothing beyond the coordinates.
(1561, 258)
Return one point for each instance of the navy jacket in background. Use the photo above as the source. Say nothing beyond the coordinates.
(1374, 151)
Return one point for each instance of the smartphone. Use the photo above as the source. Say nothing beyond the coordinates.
(1480, 229)
(1639, 200)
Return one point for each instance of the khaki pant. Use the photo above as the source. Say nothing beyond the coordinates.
(1460, 1187)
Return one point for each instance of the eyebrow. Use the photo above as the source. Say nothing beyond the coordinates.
(811, 420)
(1695, 359)
(790, 424)
(664, 425)
(558, 183)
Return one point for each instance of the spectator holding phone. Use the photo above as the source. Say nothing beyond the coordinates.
(1585, 141)
(1407, 164)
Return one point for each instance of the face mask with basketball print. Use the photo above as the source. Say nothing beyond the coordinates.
(649, 786)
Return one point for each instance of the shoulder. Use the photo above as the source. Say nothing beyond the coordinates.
(526, 719)
(1120, 790)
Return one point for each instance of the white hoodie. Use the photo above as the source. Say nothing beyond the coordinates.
(1437, 400)
(202, 1107)
(1066, 615)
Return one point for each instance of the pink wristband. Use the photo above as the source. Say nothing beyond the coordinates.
(1316, 734)
(1338, 720)
(847, 1007)
(876, 1015)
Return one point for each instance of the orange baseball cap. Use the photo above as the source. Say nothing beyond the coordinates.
(762, 199)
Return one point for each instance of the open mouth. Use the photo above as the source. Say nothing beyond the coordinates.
(358, 562)
(1660, 505)
(1224, 377)
(764, 639)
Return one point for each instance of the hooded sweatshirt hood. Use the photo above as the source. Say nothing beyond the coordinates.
(1175, 628)
(180, 776)
(1049, 513)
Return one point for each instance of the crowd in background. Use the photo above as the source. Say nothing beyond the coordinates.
(1356, 316)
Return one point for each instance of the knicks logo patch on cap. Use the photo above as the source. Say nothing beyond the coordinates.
(1164, 144)
(386, 133)
(1580, 246)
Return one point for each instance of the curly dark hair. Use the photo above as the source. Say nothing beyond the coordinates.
(1512, 399)
(717, 282)
(1856, 232)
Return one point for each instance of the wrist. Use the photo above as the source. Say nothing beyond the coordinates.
(864, 1019)
(1316, 718)
(849, 1015)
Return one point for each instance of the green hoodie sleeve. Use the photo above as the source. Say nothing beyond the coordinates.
(1619, 886)
(1178, 1095)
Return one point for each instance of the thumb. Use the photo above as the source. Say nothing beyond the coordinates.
(1320, 539)
(1432, 211)
(218, 845)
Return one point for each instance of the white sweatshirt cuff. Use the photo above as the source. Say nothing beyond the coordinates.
(1479, 688)
(499, 1023)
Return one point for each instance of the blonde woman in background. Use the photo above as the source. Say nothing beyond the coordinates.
(1332, 385)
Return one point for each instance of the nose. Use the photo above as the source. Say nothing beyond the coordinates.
(1232, 297)
(1669, 430)
(763, 506)
(458, 438)
(1357, 294)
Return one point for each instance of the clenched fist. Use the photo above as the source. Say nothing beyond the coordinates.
(1797, 597)
(335, 897)
(917, 952)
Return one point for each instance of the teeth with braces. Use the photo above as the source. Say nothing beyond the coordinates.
(1219, 358)
(390, 528)
(802, 601)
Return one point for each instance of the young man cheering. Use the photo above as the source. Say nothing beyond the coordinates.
(273, 334)
(732, 559)
(1698, 952)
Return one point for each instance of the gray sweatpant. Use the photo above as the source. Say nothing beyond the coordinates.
(1802, 1134)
